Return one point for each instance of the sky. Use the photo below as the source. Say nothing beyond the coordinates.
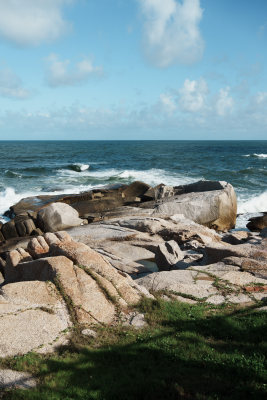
(133, 69)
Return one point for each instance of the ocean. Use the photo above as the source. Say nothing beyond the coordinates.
(29, 168)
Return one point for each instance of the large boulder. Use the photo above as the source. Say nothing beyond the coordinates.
(212, 204)
(58, 216)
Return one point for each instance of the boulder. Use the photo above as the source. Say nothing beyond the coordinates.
(256, 224)
(212, 208)
(135, 190)
(58, 216)
(168, 254)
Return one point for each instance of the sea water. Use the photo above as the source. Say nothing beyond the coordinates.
(29, 168)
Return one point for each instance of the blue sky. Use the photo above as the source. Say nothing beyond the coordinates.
(133, 69)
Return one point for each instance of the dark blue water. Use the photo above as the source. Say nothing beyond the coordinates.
(34, 167)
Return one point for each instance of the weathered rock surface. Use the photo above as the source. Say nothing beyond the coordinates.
(32, 314)
(10, 379)
(168, 254)
(57, 217)
(214, 208)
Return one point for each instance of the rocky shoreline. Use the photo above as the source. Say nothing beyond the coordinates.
(80, 260)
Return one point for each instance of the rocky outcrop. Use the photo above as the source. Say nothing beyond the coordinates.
(215, 208)
(54, 285)
(256, 224)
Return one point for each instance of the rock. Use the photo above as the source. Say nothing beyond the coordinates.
(89, 333)
(57, 217)
(32, 314)
(89, 302)
(237, 237)
(215, 252)
(168, 254)
(38, 247)
(9, 230)
(82, 255)
(138, 321)
(257, 224)
(1, 236)
(135, 189)
(213, 208)
(180, 282)
(10, 379)
(163, 191)
(257, 267)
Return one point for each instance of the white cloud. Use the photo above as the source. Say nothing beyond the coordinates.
(11, 85)
(59, 73)
(192, 96)
(31, 22)
(261, 97)
(225, 102)
(171, 31)
(167, 102)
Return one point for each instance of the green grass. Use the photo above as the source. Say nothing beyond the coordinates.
(187, 352)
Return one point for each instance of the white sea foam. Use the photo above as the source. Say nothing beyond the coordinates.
(254, 204)
(156, 176)
(256, 155)
(9, 197)
(79, 167)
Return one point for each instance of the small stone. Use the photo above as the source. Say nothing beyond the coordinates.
(138, 321)
(89, 333)
(10, 379)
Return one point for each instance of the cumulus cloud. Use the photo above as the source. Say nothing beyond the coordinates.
(224, 102)
(261, 97)
(171, 31)
(11, 85)
(61, 73)
(193, 94)
(31, 22)
(167, 102)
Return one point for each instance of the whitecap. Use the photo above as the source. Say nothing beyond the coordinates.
(79, 167)
(254, 204)
(257, 155)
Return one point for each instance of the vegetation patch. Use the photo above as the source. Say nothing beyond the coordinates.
(186, 352)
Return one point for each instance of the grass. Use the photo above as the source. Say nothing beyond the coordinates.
(186, 352)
